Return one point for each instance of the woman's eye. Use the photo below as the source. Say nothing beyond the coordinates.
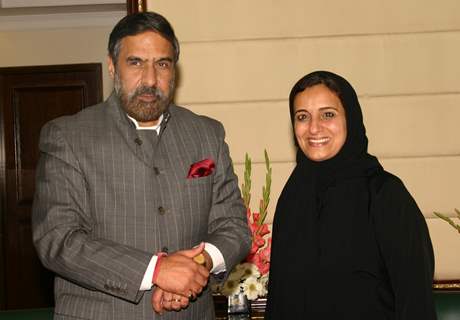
(302, 117)
(328, 115)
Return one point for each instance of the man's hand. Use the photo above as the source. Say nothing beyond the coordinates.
(181, 275)
(166, 301)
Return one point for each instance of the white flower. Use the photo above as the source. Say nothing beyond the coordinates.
(249, 270)
(237, 273)
(264, 282)
(246, 277)
(231, 287)
(252, 288)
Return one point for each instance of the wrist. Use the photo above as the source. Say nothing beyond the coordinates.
(208, 261)
(156, 271)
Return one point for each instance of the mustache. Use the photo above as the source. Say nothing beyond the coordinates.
(155, 91)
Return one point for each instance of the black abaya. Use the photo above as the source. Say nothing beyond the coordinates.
(349, 241)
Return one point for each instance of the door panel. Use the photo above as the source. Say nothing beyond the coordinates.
(30, 97)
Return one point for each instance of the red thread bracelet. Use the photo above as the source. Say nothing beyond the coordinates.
(157, 266)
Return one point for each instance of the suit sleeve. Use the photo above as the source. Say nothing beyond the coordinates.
(228, 228)
(407, 251)
(62, 226)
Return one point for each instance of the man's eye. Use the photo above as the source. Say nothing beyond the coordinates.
(164, 64)
(134, 62)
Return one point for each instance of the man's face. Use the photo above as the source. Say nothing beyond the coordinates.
(144, 76)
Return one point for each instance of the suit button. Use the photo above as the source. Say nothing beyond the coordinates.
(138, 141)
(161, 210)
(156, 170)
(106, 286)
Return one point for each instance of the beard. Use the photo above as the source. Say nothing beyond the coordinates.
(140, 110)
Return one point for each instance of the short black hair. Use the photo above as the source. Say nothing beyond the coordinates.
(138, 23)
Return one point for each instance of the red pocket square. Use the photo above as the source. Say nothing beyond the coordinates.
(201, 168)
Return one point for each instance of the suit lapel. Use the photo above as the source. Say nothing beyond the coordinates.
(174, 149)
(125, 127)
(179, 146)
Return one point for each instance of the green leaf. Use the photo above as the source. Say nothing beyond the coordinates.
(266, 189)
(246, 186)
(449, 220)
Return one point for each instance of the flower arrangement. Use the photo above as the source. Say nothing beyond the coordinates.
(449, 220)
(251, 276)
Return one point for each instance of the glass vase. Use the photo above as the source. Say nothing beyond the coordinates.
(238, 306)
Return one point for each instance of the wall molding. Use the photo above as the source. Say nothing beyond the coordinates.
(51, 3)
(60, 20)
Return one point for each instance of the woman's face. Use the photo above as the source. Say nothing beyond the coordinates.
(320, 124)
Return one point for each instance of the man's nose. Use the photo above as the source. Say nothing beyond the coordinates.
(149, 76)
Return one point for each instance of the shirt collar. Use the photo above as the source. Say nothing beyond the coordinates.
(155, 127)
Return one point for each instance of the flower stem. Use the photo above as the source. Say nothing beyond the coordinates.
(246, 187)
(265, 191)
(449, 220)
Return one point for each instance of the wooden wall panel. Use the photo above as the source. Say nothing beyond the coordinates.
(266, 70)
(397, 126)
(446, 245)
(415, 125)
(433, 182)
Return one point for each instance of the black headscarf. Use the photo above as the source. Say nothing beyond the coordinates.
(302, 199)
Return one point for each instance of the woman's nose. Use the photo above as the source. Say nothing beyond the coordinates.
(315, 125)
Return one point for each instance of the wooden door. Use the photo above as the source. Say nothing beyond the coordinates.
(29, 97)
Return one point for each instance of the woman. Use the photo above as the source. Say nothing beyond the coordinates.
(349, 241)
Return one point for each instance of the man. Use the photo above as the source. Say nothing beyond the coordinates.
(132, 192)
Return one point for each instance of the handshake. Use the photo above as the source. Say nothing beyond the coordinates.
(179, 278)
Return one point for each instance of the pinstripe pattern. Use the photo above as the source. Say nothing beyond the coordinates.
(96, 221)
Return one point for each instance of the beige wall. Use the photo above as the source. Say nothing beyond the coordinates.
(49, 46)
(240, 58)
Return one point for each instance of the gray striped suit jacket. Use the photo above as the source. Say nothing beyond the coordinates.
(106, 200)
